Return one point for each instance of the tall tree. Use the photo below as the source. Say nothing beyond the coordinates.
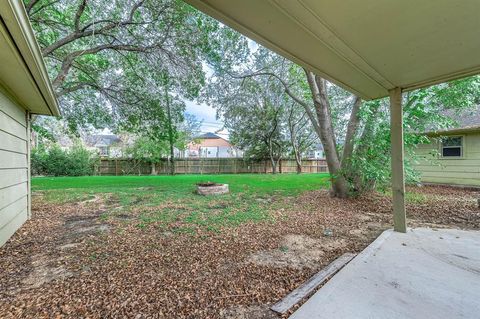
(299, 132)
(92, 48)
(255, 120)
(354, 134)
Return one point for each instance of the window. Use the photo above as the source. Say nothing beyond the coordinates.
(103, 150)
(452, 146)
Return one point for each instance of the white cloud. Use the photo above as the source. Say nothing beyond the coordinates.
(207, 115)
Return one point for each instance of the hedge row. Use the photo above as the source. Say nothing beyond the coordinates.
(54, 161)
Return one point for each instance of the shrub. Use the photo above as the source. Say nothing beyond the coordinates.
(54, 161)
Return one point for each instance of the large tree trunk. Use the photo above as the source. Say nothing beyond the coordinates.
(351, 132)
(348, 147)
(326, 134)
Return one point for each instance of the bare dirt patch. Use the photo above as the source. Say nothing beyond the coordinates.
(298, 251)
(44, 271)
(78, 227)
(248, 312)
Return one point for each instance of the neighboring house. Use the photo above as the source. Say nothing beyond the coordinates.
(24, 90)
(453, 155)
(107, 145)
(316, 152)
(210, 145)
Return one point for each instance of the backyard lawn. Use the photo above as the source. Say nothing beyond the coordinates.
(149, 247)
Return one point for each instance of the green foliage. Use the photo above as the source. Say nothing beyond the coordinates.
(148, 150)
(260, 117)
(107, 59)
(54, 161)
(424, 110)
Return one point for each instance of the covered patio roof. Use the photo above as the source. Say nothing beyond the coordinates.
(368, 47)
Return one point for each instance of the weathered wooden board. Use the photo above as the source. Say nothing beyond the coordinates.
(306, 288)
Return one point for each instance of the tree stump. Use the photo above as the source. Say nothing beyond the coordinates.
(210, 188)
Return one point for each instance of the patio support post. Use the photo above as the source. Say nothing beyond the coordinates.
(398, 179)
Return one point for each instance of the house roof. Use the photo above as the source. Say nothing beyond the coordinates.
(368, 47)
(465, 121)
(318, 147)
(466, 118)
(101, 140)
(23, 75)
(208, 135)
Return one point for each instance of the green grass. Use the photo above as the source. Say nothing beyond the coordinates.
(268, 184)
(170, 202)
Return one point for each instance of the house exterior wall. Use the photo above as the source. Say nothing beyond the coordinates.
(211, 148)
(14, 167)
(225, 151)
(458, 171)
(316, 154)
(208, 151)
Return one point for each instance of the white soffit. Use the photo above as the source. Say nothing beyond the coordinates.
(22, 73)
(368, 46)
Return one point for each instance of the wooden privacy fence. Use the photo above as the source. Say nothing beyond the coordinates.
(206, 166)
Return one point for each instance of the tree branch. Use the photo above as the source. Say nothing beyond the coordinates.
(30, 5)
(82, 33)
(34, 2)
(289, 92)
(78, 15)
(70, 58)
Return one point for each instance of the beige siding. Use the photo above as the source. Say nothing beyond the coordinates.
(14, 171)
(458, 171)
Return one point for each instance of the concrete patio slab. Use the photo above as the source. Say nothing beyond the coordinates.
(423, 273)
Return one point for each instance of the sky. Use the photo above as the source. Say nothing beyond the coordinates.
(207, 115)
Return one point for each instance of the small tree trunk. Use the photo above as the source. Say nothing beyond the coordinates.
(154, 169)
(272, 157)
(274, 165)
(170, 135)
(293, 141)
(299, 163)
(298, 157)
